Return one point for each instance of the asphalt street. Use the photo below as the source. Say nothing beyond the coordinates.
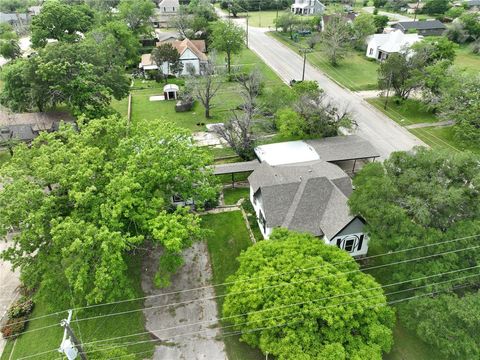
(386, 135)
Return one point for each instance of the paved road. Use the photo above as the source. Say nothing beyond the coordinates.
(394, 16)
(386, 135)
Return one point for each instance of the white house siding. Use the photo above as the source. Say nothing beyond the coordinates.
(353, 235)
(258, 207)
(188, 57)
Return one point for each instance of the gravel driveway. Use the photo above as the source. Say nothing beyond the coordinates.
(172, 345)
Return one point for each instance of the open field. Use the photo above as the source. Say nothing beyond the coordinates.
(87, 331)
(467, 60)
(354, 72)
(406, 112)
(227, 98)
(228, 238)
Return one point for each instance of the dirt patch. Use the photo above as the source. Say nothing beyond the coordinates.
(178, 342)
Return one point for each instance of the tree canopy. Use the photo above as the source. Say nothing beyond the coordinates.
(229, 38)
(329, 311)
(136, 13)
(84, 76)
(60, 21)
(81, 201)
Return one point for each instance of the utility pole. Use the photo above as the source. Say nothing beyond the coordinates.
(304, 51)
(70, 345)
(259, 15)
(388, 90)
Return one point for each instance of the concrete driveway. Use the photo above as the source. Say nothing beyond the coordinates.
(174, 344)
(393, 16)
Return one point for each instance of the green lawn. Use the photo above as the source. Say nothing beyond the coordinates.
(354, 72)
(231, 196)
(412, 112)
(87, 331)
(405, 112)
(227, 239)
(467, 60)
(443, 138)
(4, 156)
(227, 98)
(408, 347)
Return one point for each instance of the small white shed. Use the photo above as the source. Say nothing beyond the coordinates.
(170, 91)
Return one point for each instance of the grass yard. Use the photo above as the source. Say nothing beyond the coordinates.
(354, 72)
(411, 112)
(4, 156)
(443, 138)
(407, 346)
(232, 196)
(228, 238)
(87, 331)
(467, 60)
(406, 112)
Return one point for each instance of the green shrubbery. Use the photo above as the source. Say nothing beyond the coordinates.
(17, 318)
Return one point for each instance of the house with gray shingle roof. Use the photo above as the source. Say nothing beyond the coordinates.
(299, 185)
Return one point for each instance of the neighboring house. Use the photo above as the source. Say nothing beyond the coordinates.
(166, 9)
(469, 3)
(17, 21)
(27, 126)
(307, 7)
(300, 185)
(192, 55)
(415, 7)
(34, 10)
(424, 28)
(380, 46)
(349, 18)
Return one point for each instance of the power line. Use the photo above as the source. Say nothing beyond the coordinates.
(301, 312)
(274, 286)
(295, 304)
(263, 277)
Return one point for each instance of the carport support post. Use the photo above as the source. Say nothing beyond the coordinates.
(354, 162)
(233, 180)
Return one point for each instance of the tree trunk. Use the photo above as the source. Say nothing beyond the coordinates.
(207, 112)
(228, 62)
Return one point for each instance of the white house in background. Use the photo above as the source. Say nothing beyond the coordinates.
(382, 45)
(307, 7)
(192, 55)
(300, 186)
(163, 13)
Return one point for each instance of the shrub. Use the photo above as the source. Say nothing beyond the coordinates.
(20, 308)
(14, 327)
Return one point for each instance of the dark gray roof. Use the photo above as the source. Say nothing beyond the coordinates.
(420, 25)
(307, 197)
(238, 167)
(19, 132)
(472, 2)
(12, 18)
(340, 148)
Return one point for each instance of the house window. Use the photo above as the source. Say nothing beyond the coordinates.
(370, 52)
(177, 198)
(349, 244)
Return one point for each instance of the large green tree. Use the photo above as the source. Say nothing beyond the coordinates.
(448, 322)
(363, 26)
(420, 197)
(81, 201)
(9, 46)
(330, 311)
(85, 76)
(460, 102)
(136, 13)
(60, 21)
(336, 39)
(228, 38)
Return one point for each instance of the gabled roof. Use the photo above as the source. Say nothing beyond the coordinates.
(420, 25)
(169, 4)
(395, 41)
(198, 47)
(306, 197)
